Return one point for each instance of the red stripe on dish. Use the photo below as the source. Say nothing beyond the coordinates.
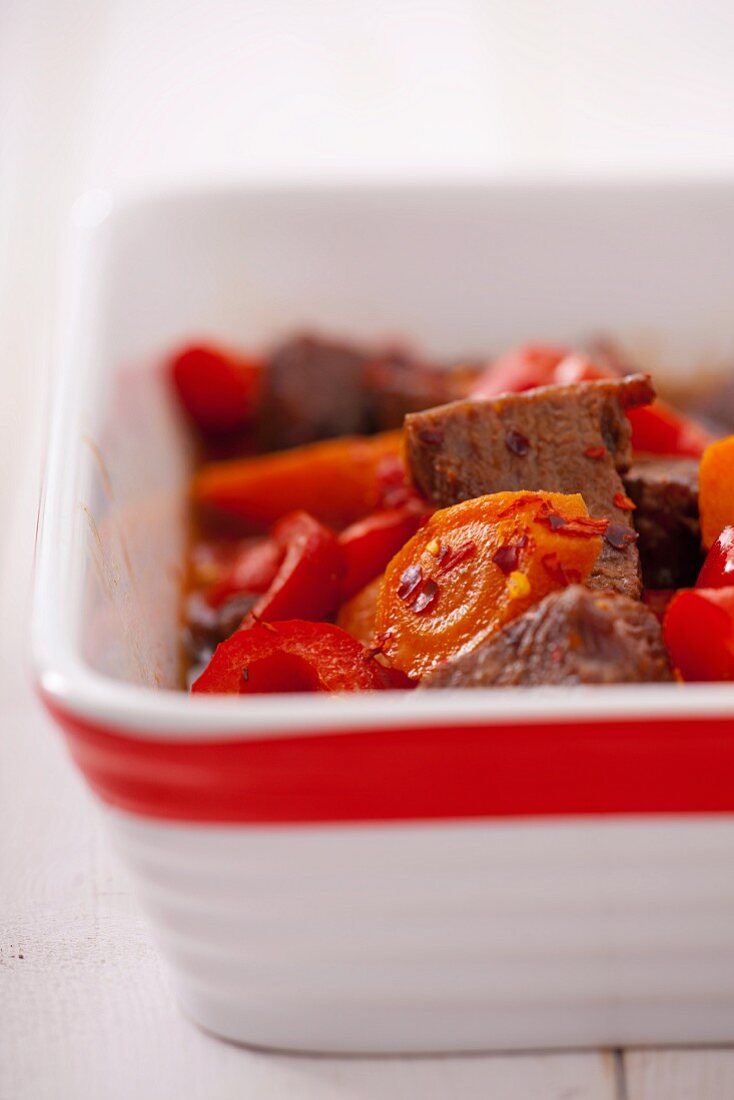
(470, 771)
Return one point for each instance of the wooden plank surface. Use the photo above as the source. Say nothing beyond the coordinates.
(679, 1074)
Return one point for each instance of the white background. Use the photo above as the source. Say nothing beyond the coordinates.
(121, 93)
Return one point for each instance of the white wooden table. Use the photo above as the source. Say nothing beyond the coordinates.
(116, 92)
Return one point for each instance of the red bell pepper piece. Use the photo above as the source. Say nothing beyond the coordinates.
(253, 569)
(656, 428)
(370, 543)
(210, 559)
(717, 570)
(577, 367)
(661, 430)
(393, 487)
(307, 584)
(291, 656)
(520, 369)
(219, 389)
(699, 633)
(533, 365)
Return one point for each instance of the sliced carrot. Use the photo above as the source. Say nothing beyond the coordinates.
(716, 489)
(337, 481)
(357, 616)
(477, 565)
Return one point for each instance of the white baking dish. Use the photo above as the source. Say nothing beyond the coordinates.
(402, 873)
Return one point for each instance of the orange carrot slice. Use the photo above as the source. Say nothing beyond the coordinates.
(357, 616)
(475, 566)
(337, 481)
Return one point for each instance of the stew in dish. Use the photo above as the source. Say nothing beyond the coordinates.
(366, 520)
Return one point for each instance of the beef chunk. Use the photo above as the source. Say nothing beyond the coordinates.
(665, 491)
(317, 388)
(313, 391)
(564, 439)
(571, 637)
(396, 383)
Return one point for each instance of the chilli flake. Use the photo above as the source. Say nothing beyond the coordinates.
(433, 437)
(507, 557)
(517, 443)
(576, 526)
(454, 557)
(409, 581)
(623, 502)
(426, 597)
(619, 537)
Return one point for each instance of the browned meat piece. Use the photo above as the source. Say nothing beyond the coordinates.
(665, 491)
(397, 384)
(313, 391)
(563, 439)
(316, 389)
(571, 637)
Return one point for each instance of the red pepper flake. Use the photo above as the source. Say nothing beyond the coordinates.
(456, 556)
(559, 572)
(425, 598)
(586, 526)
(622, 501)
(516, 442)
(432, 437)
(519, 502)
(556, 654)
(507, 557)
(409, 581)
(619, 537)
(595, 452)
(575, 526)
